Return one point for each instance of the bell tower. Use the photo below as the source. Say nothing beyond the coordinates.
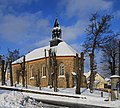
(56, 34)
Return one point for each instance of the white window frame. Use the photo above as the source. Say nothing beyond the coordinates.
(31, 72)
(61, 70)
(44, 71)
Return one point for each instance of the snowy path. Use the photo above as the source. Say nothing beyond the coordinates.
(90, 101)
(64, 97)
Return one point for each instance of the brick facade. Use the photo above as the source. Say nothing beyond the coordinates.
(64, 81)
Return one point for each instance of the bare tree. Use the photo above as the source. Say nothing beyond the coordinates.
(79, 71)
(15, 54)
(67, 79)
(50, 68)
(3, 65)
(11, 75)
(81, 67)
(78, 75)
(3, 73)
(97, 32)
(55, 71)
(12, 56)
(39, 79)
(23, 72)
(7, 64)
(110, 53)
(119, 58)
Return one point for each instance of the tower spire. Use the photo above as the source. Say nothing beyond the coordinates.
(56, 33)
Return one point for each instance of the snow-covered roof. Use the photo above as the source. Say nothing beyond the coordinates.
(62, 49)
(114, 76)
(87, 74)
(107, 79)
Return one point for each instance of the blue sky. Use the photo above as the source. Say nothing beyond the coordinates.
(27, 24)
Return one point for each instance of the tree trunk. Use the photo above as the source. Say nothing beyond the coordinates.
(55, 71)
(18, 76)
(23, 72)
(50, 69)
(26, 78)
(82, 68)
(119, 58)
(92, 73)
(67, 79)
(6, 68)
(78, 75)
(113, 65)
(11, 77)
(55, 77)
(39, 79)
(3, 74)
(36, 79)
(119, 66)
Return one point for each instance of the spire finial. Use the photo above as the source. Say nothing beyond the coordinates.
(56, 15)
(56, 24)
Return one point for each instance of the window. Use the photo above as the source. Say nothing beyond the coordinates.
(32, 71)
(44, 70)
(61, 69)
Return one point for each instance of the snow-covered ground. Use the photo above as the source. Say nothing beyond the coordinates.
(14, 99)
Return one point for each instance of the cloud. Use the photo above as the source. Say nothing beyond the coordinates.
(19, 27)
(74, 31)
(37, 44)
(16, 2)
(117, 14)
(82, 8)
(77, 47)
(12, 27)
(15, 6)
(80, 11)
(42, 43)
(26, 26)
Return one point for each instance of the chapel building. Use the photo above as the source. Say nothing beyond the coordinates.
(41, 63)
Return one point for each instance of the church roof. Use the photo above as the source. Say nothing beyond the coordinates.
(89, 72)
(62, 49)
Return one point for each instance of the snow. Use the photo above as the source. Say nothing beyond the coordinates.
(107, 79)
(14, 99)
(56, 28)
(87, 74)
(18, 100)
(63, 49)
(115, 76)
(74, 73)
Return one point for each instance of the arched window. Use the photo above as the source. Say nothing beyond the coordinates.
(43, 70)
(32, 71)
(61, 69)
